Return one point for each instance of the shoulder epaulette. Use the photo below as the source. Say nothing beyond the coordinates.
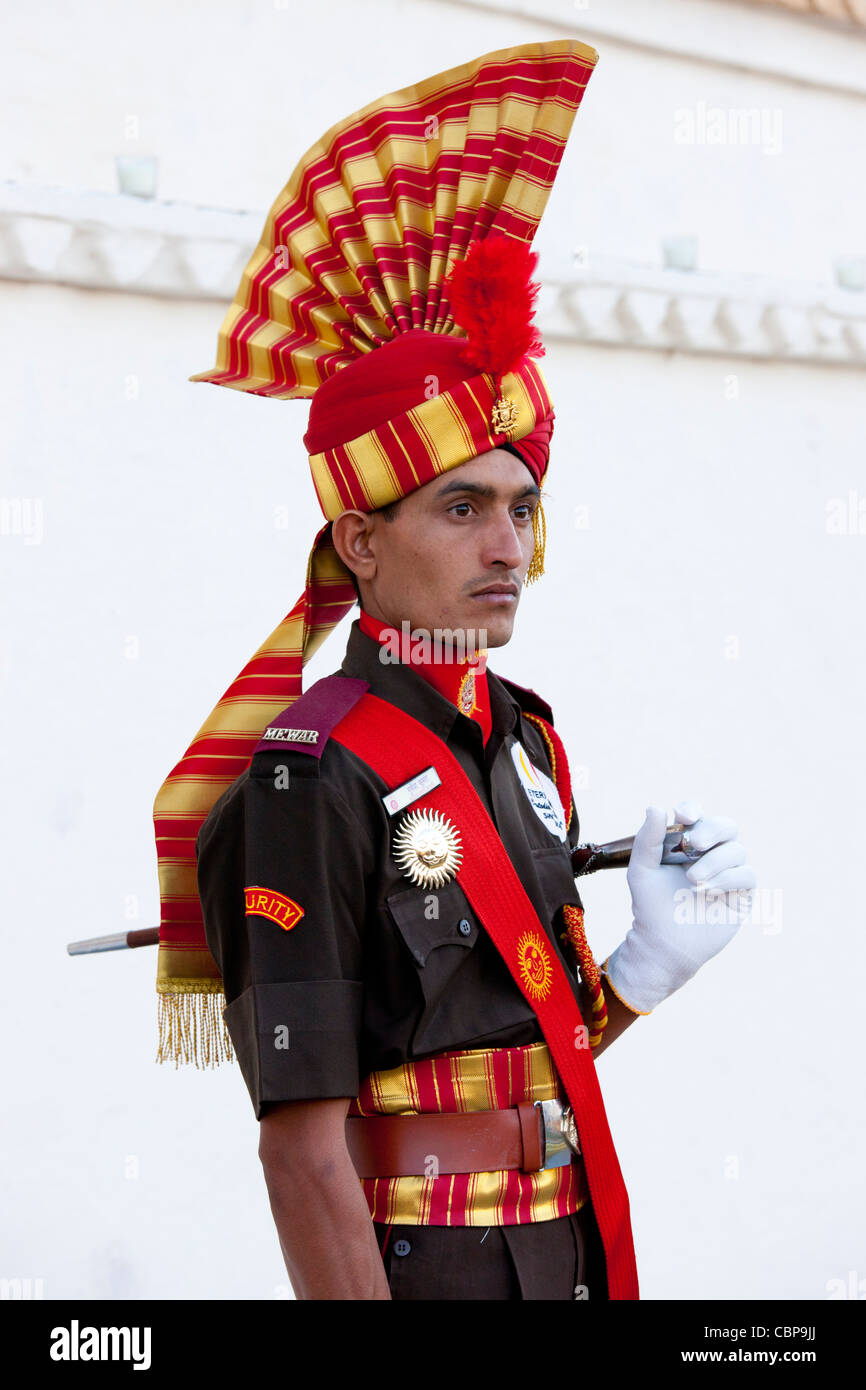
(306, 725)
(527, 699)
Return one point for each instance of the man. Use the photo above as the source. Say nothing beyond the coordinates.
(384, 861)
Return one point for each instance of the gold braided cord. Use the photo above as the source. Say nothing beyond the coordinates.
(576, 935)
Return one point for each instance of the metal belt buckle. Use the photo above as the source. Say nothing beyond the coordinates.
(560, 1133)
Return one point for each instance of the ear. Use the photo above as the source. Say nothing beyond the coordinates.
(351, 533)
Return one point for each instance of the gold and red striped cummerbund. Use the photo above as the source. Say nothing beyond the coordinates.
(457, 1083)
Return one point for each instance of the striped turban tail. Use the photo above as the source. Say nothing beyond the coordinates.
(392, 286)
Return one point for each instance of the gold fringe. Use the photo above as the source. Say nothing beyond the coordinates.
(539, 532)
(191, 1025)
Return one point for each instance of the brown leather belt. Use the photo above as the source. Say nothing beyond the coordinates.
(396, 1146)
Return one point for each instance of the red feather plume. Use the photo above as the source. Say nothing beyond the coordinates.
(493, 299)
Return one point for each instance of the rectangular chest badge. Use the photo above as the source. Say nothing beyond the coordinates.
(410, 791)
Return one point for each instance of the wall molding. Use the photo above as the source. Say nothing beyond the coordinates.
(121, 244)
(113, 241)
(697, 312)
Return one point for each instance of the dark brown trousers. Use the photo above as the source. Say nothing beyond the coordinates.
(560, 1259)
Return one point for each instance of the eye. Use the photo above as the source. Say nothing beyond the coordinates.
(461, 508)
(525, 511)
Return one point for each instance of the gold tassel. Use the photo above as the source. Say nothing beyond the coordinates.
(192, 1028)
(539, 532)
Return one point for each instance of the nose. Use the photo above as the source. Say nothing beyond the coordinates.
(501, 542)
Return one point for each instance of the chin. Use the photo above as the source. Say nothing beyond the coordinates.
(499, 628)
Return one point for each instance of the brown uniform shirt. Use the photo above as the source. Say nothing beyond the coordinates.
(378, 971)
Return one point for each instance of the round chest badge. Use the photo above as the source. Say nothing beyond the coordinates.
(427, 848)
(540, 791)
(533, 960)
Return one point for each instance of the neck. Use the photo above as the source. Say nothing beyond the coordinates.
(460, 676)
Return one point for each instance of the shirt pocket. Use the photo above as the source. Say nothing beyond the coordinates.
(434, 922)
(440, 931)
(555, 879)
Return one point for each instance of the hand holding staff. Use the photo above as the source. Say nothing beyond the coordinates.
(586, 859)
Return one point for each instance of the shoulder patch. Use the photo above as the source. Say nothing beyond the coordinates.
(265, 902)
(306, 725)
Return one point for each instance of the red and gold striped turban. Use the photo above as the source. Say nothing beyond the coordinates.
(391, 285)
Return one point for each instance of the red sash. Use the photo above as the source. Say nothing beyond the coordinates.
(397, 747)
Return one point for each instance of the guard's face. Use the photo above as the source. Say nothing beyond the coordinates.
(456, 553)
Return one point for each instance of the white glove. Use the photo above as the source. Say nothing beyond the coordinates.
(678, 926)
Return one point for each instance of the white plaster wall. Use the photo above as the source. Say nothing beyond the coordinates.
(701, 635)
(229, 95)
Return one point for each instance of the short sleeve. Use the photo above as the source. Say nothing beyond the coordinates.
(282, 867)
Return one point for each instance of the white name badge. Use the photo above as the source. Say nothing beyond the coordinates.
(540, 791)
(410, 791)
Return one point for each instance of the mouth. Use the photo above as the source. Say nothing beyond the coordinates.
(501, 591)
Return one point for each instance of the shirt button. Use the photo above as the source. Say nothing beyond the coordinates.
(401, 1247)
(465, 927)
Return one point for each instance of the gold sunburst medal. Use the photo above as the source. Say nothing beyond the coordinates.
(536, 970)
(427, 848)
